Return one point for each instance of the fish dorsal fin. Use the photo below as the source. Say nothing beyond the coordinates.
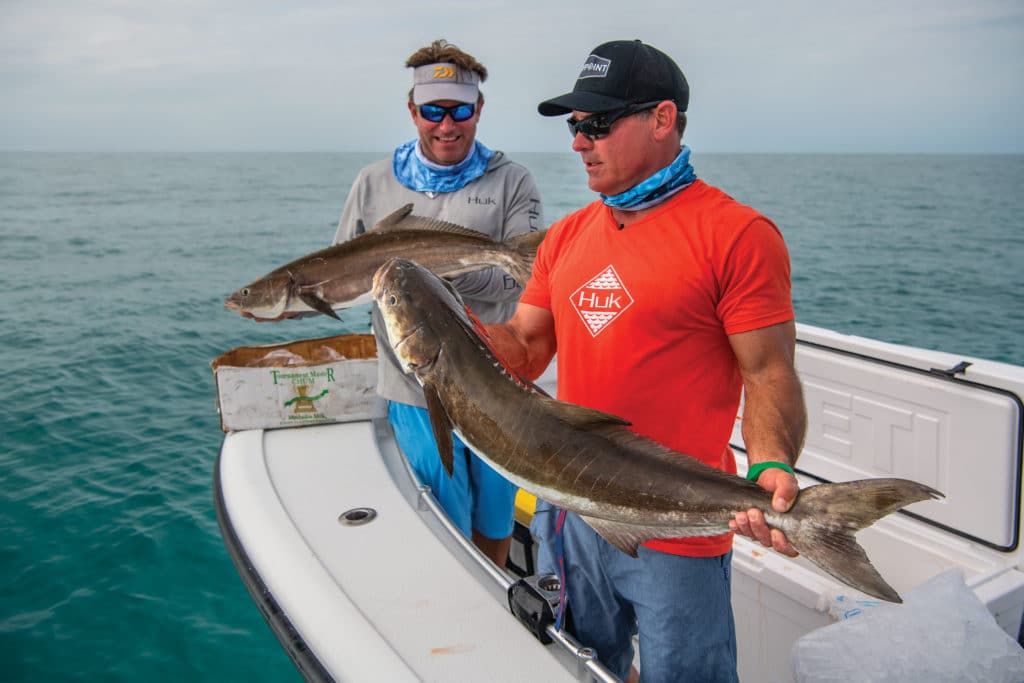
(403, 219)
(393, 218)
(625, 537)
(442, 426)
(579, 416)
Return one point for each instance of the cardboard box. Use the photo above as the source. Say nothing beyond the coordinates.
(311, 381)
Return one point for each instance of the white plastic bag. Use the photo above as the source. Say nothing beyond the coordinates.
(941, 632)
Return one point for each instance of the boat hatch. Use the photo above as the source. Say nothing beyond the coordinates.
(873, 418)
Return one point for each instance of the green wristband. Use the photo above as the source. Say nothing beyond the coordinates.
(754, 471)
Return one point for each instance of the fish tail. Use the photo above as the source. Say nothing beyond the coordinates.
(831, 514)
(522, 251)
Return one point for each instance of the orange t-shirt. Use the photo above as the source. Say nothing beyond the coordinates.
(642, 318)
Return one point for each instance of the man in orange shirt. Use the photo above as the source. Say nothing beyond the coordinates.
(665, 300)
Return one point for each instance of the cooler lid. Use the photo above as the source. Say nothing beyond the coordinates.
(869, 417)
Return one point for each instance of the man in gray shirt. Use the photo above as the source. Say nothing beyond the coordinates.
(446, 173)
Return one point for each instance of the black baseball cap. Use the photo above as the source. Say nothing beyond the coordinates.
(619, 73)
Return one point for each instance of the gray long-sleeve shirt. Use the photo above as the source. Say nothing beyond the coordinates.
(502, 203)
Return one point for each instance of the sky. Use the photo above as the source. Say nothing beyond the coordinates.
(795, 76)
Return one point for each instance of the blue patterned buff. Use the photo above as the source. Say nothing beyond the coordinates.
(659, 187)
(415, 171)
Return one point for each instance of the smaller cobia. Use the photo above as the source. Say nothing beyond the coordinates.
(627, 487)
(342, 275)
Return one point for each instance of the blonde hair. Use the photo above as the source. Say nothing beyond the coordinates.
(442, 51)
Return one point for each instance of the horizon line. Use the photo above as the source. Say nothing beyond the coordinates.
(523, 151)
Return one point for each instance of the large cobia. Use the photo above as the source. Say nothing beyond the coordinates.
(341, 275)
(627, 487)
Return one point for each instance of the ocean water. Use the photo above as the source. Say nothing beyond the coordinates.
(113, 270)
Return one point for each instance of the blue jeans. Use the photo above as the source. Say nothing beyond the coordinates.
(475, 496)
(680, 606)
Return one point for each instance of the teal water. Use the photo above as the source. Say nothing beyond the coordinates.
(113, 269)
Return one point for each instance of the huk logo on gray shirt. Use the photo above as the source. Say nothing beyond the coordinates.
(595, 67)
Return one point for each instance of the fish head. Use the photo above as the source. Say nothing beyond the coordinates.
(418, 309)
(266, 297)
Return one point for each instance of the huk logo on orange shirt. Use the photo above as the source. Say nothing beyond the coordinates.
(601, 300)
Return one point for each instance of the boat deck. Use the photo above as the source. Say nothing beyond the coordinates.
(333, 541)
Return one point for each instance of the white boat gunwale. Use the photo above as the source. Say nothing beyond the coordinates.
(304, 659)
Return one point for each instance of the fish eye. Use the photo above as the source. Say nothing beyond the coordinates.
(392, 299)
(245, 291)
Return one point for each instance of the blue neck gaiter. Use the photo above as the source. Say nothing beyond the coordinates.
(415, 171)
(660, 186)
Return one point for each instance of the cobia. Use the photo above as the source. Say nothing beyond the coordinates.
(627, 487)
(341, 275)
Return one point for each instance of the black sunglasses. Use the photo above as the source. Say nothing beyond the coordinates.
(597, 126)
(459, 113)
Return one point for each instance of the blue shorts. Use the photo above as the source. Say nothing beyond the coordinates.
(475, 496)
(680, 606)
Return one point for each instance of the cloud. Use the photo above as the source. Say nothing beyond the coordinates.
(790, 76)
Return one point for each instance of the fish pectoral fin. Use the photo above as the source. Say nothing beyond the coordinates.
(442, 426)
(625, 537)
(317, 304)
(579, 416)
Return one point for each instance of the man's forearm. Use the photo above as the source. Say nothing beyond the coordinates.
(774, 418)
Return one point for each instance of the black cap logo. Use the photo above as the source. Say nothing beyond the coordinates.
(595, 67)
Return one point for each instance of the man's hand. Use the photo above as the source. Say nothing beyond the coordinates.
(751, 523)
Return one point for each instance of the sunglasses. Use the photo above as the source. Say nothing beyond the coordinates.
(598, 126)
(459, 113)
